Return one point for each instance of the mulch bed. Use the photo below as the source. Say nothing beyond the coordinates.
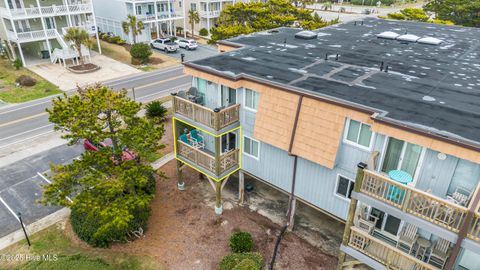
(84, 67)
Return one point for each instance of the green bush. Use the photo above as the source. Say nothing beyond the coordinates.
(247, 264)
(155, 111)
(141, 51)
(104, 37)
(372, 2)
(67, 262)
(203, 32)
(114, 39)
(241, 242)
(17, 63)
(234, 260)
(121, 41)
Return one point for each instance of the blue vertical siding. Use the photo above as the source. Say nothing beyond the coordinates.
(436, 174)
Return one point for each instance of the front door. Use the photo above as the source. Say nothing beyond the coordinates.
(403, 156)
(229, 142)
(229, 96)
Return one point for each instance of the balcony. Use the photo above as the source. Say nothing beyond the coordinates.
(210, 14)
(206, 160)
(53, 10)
(386, 254)
(213, 119)
(439, 211)
(32, 35)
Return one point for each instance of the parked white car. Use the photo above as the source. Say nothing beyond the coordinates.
(188, 44)
(164, 44)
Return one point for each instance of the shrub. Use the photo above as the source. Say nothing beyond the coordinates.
(234, 260)
(203, 32)
(104, 37)
(114, 39)
(17, 63)
(25, 80)
(155, 110)
(247, 264)
(241, 242)
(121, 41)
(141, 51)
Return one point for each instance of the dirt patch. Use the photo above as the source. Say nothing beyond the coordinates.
(85, 68)
(185, 233)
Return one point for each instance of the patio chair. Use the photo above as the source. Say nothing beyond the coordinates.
(197, 139)
(462, 195)
(439, 253)
(408, 237)
(365, 221)
(182, 94)
(184, 138)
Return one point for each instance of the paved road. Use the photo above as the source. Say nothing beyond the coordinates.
(28, 120)
(20, 184)
(201, 52)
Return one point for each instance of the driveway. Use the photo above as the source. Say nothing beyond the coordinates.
(201, 52)
(66, 80)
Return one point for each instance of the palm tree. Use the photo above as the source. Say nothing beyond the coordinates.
(78, 36)
(193, 18)
(134, 26)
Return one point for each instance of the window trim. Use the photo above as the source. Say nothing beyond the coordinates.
(352, 181)
(356, 144)
(245, 100)
(243, 147)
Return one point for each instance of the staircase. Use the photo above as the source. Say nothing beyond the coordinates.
(67, 51)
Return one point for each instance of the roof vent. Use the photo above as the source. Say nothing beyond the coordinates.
(388, 35)
(430, 41)
(408, 37)
(306, 34)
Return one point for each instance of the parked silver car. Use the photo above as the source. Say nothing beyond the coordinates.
(164, 44)
(188, 44)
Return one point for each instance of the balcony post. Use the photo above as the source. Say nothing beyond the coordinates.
(464, 228)
(351, 213)
(241, 187)
(216, 119)
(218, 153)
(218, 197)
(180, 181)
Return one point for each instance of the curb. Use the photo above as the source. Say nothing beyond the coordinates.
(34, 227)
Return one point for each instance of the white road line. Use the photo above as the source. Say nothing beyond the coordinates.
(26, 139)
(49, 182)
(28, 106)
(9, 209)
(163, 91)
(21, 133)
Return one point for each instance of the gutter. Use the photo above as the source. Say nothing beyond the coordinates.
(376, 113)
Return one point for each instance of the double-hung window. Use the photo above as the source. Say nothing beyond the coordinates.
(251, 99)
(251, 147)
(358, 134)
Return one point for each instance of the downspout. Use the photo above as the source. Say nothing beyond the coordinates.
(291, 201)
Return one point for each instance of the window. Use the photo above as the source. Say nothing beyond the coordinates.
(139, 10)
(251, 99)
(179, 3)
(358, 134)
(344, 187)
(193, 6)
(251, 147)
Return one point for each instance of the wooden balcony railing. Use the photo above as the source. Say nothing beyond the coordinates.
(207, 161)
(413, 201)
(384, 253)
(207, 116)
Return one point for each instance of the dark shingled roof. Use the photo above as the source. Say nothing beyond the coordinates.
(432, 88)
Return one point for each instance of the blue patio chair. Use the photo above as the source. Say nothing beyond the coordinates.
(185, 139)
(198, 140)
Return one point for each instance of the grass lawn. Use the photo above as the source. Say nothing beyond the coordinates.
(12, 94)
(120, 54)
(71, 254)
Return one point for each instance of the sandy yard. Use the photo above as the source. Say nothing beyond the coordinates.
(185, 233)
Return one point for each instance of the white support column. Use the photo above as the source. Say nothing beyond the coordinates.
(69, 18)
(169, 6)
(14, 54)
(21, 53)
(156, 19)
(45, 30)
(96, 29)
(208, 17)
(134, 14)
(185, 20)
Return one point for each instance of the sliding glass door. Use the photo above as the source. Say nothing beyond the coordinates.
(401, 155)
(386, 224)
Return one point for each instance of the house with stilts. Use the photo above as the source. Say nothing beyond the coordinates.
(375, 123)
